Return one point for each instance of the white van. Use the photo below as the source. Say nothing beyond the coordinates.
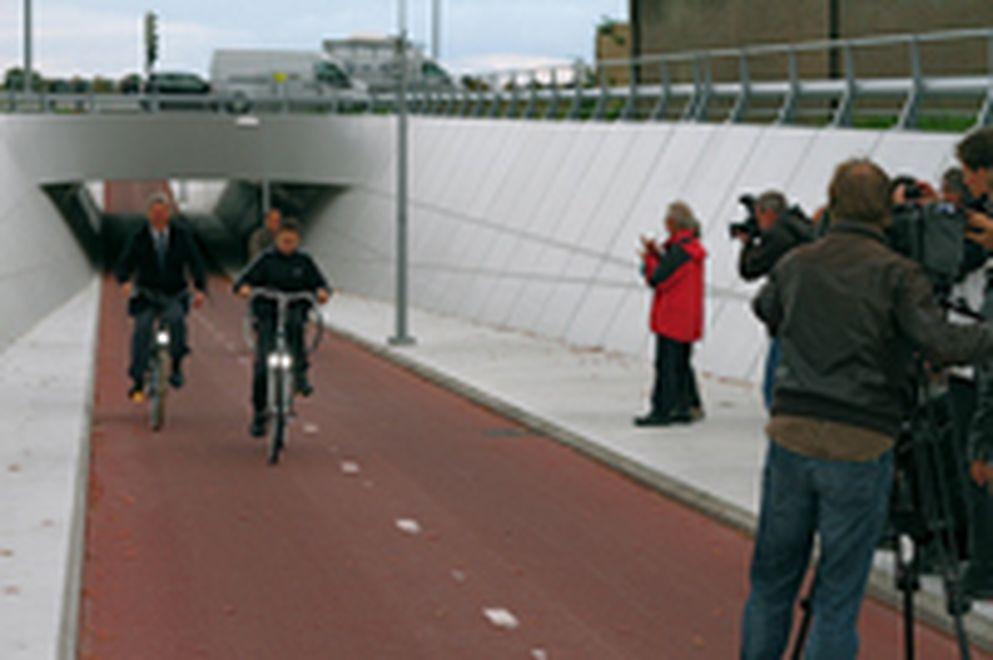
(251, 76)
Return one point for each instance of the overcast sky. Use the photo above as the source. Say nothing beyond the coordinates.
(104, 36)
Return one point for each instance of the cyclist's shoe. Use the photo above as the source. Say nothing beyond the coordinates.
(137, 392)
(176, 377)
(258, 427)
(303, 386)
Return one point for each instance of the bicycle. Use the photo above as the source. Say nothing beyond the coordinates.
(156, 372)
(280, 383)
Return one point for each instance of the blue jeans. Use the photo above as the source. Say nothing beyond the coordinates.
(769, 378)
(846, 505)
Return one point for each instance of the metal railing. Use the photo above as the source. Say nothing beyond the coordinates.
(820, 82)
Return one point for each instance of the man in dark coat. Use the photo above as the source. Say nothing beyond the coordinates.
(154, 270)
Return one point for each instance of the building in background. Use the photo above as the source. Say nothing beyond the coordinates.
(669, 26)
(372, 60)
(613, 42)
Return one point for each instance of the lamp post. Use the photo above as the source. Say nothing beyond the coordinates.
(28, 68)
(435, 30)
(401, 336)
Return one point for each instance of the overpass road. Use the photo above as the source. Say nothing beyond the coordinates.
(404, 522)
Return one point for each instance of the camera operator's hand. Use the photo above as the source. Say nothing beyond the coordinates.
(981, 472)
(743, 236)
(648, 246)
(981, 229)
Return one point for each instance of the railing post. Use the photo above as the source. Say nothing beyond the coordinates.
(665, 91)
(696, 108)
(576, 109)
(630, 111)
(532, 105)
(600, 109)
(740, 109)
(909, 113)
(787, 113)
(552, 111)
(985, 117)
(497, 98)
(844, 112)
(514, 97)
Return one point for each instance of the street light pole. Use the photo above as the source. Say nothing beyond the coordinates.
(28, 33)
(435, 30)
(402, 336)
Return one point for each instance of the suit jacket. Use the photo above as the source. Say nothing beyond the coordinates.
(182, 262)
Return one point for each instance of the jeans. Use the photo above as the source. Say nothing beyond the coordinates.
(265, 328)
(173, 314)
(675, 390)
(769, 379)
(846, 505)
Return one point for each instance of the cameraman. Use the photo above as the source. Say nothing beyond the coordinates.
(850, 313)
(779, 230)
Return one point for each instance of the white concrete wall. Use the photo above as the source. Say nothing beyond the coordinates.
(534, 226)
(41, 264)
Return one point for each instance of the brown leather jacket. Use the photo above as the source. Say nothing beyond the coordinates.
(850, 314)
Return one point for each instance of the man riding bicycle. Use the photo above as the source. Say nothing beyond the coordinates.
(161, 256)
(283, 267)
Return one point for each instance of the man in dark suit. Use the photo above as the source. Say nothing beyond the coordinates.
(160, 257)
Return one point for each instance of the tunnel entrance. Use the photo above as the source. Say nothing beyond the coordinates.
(222, 214)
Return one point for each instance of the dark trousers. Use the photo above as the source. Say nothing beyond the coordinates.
(979, 504)
(173, 314)
(265, 334)
(843, 503)
(675, 390)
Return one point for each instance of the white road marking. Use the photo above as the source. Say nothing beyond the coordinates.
(501, 618)
(539, 654)
(350, 467)
(408, 526)
(310, 429)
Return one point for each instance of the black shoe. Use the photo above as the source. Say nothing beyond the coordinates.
(652, 419)
(176, 378)
(303, 386)
(258, 427)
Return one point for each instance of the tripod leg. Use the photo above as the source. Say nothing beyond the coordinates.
(807, 605)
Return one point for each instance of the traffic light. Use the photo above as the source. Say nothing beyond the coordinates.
(151, 40)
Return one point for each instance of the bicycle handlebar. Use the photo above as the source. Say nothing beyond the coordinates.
(283, 296)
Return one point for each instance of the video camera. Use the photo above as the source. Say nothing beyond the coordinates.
(932, 234)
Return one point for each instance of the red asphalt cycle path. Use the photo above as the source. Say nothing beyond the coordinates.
(400, 515)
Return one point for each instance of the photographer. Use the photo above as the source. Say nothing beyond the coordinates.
(975, 154)
(675, 273)
(851, 313)
(772, 231)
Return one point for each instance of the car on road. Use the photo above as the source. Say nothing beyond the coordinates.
(175, 87)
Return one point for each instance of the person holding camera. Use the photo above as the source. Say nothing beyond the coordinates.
(767, 237)
(975, 155)
(675, 273)
(852, 316)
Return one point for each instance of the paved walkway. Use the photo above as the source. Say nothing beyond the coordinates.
(45, 388)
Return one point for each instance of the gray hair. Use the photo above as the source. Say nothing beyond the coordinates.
(682, 218)
(772, 200)
(157, 198)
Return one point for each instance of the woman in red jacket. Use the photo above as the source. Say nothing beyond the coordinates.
(675, 270)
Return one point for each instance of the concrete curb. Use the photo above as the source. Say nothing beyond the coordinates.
(72, 590)
(930, 607)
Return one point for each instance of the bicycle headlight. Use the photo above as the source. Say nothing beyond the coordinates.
(287, 361)
(162, 338)
(280, 361)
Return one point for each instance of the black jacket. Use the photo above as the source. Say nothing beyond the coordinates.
(182, 261)
(760, 256)
(850, 314)
(295, 273)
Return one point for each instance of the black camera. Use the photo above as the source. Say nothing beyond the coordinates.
(933, 235)
(750, 225)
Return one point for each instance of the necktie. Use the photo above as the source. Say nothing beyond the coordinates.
(160, 249)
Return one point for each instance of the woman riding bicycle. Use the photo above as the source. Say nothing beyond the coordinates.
(283, 267)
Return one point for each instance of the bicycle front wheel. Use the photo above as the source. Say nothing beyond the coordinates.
(157, 396)
(277, 431)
